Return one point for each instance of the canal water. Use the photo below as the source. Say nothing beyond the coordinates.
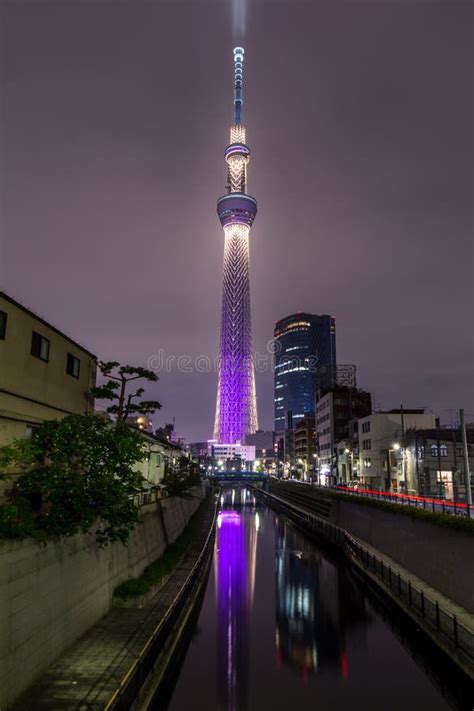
(284, 625)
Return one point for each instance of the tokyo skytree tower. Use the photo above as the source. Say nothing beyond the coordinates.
(236, 407)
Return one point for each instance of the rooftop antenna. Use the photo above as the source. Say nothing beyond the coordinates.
(238, 84)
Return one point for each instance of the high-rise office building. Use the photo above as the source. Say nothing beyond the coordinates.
(305, 364)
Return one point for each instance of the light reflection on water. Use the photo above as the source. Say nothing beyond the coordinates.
(284, 627)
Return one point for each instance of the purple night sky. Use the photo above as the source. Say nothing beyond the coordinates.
(115, 118)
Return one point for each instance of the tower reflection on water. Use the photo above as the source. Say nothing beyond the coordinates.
(235, 584)
(316, 608)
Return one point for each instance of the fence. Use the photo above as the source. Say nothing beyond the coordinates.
(150, 495)
(431, 613)
(143, 666)
(438, 619)
(455, 508)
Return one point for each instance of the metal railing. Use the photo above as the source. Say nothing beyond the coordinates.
(444, 622)
(142, 667)
(455, 508)
(149, 496)
(430, 611)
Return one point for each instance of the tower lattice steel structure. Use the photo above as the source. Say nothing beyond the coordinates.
(236, 408)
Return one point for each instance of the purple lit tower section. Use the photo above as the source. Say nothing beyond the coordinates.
(236, 407)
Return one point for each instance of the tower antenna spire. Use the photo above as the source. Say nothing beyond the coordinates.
(238, 84)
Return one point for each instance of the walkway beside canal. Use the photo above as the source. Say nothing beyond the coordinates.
(89, 673)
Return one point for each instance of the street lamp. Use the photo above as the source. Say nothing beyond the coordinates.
(398, 448)
(351, 459)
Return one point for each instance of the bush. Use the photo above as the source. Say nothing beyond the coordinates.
(80, 474)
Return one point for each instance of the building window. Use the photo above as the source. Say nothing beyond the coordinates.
(73, 365)
(30, 431)
(3, 325)
(40, 347)
(443, 450)
(365, 427)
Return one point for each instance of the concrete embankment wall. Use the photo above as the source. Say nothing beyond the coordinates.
(441, 556)
(51, 594)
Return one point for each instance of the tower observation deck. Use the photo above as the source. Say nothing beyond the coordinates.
(236, 407)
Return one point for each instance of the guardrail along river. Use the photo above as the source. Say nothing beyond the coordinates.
(285, 625)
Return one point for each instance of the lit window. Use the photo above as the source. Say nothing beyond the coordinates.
(434, 450)
(73, 365)
(443, 450)
(40, 347)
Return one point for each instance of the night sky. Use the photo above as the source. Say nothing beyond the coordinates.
(359, 117)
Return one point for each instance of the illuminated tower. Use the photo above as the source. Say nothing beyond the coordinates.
(236, 407)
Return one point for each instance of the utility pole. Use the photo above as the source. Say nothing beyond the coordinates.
(467, 474)
(404, 475)
(417, 463)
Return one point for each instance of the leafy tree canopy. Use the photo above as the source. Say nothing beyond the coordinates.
(79, 476)
(115, 389)
(180, 482)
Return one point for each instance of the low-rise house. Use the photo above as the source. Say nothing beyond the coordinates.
(381, 438)
(44, 374)
(434, 461)
(161, 458)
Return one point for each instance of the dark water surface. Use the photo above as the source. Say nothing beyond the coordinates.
(284, 626)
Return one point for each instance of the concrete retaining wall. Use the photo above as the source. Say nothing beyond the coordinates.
(441, 556)
(51, 594)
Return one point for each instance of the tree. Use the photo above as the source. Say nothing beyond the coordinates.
(181, 480)
(115, 389)
(80, 476)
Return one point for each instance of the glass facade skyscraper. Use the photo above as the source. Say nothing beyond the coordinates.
(305, 364)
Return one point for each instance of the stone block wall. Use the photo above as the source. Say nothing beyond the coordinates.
(51, 594)
(441, 556)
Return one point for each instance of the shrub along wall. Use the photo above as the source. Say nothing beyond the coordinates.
(51, 594)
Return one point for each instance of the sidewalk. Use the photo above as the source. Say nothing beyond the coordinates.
(463, 616)
(88, 674)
